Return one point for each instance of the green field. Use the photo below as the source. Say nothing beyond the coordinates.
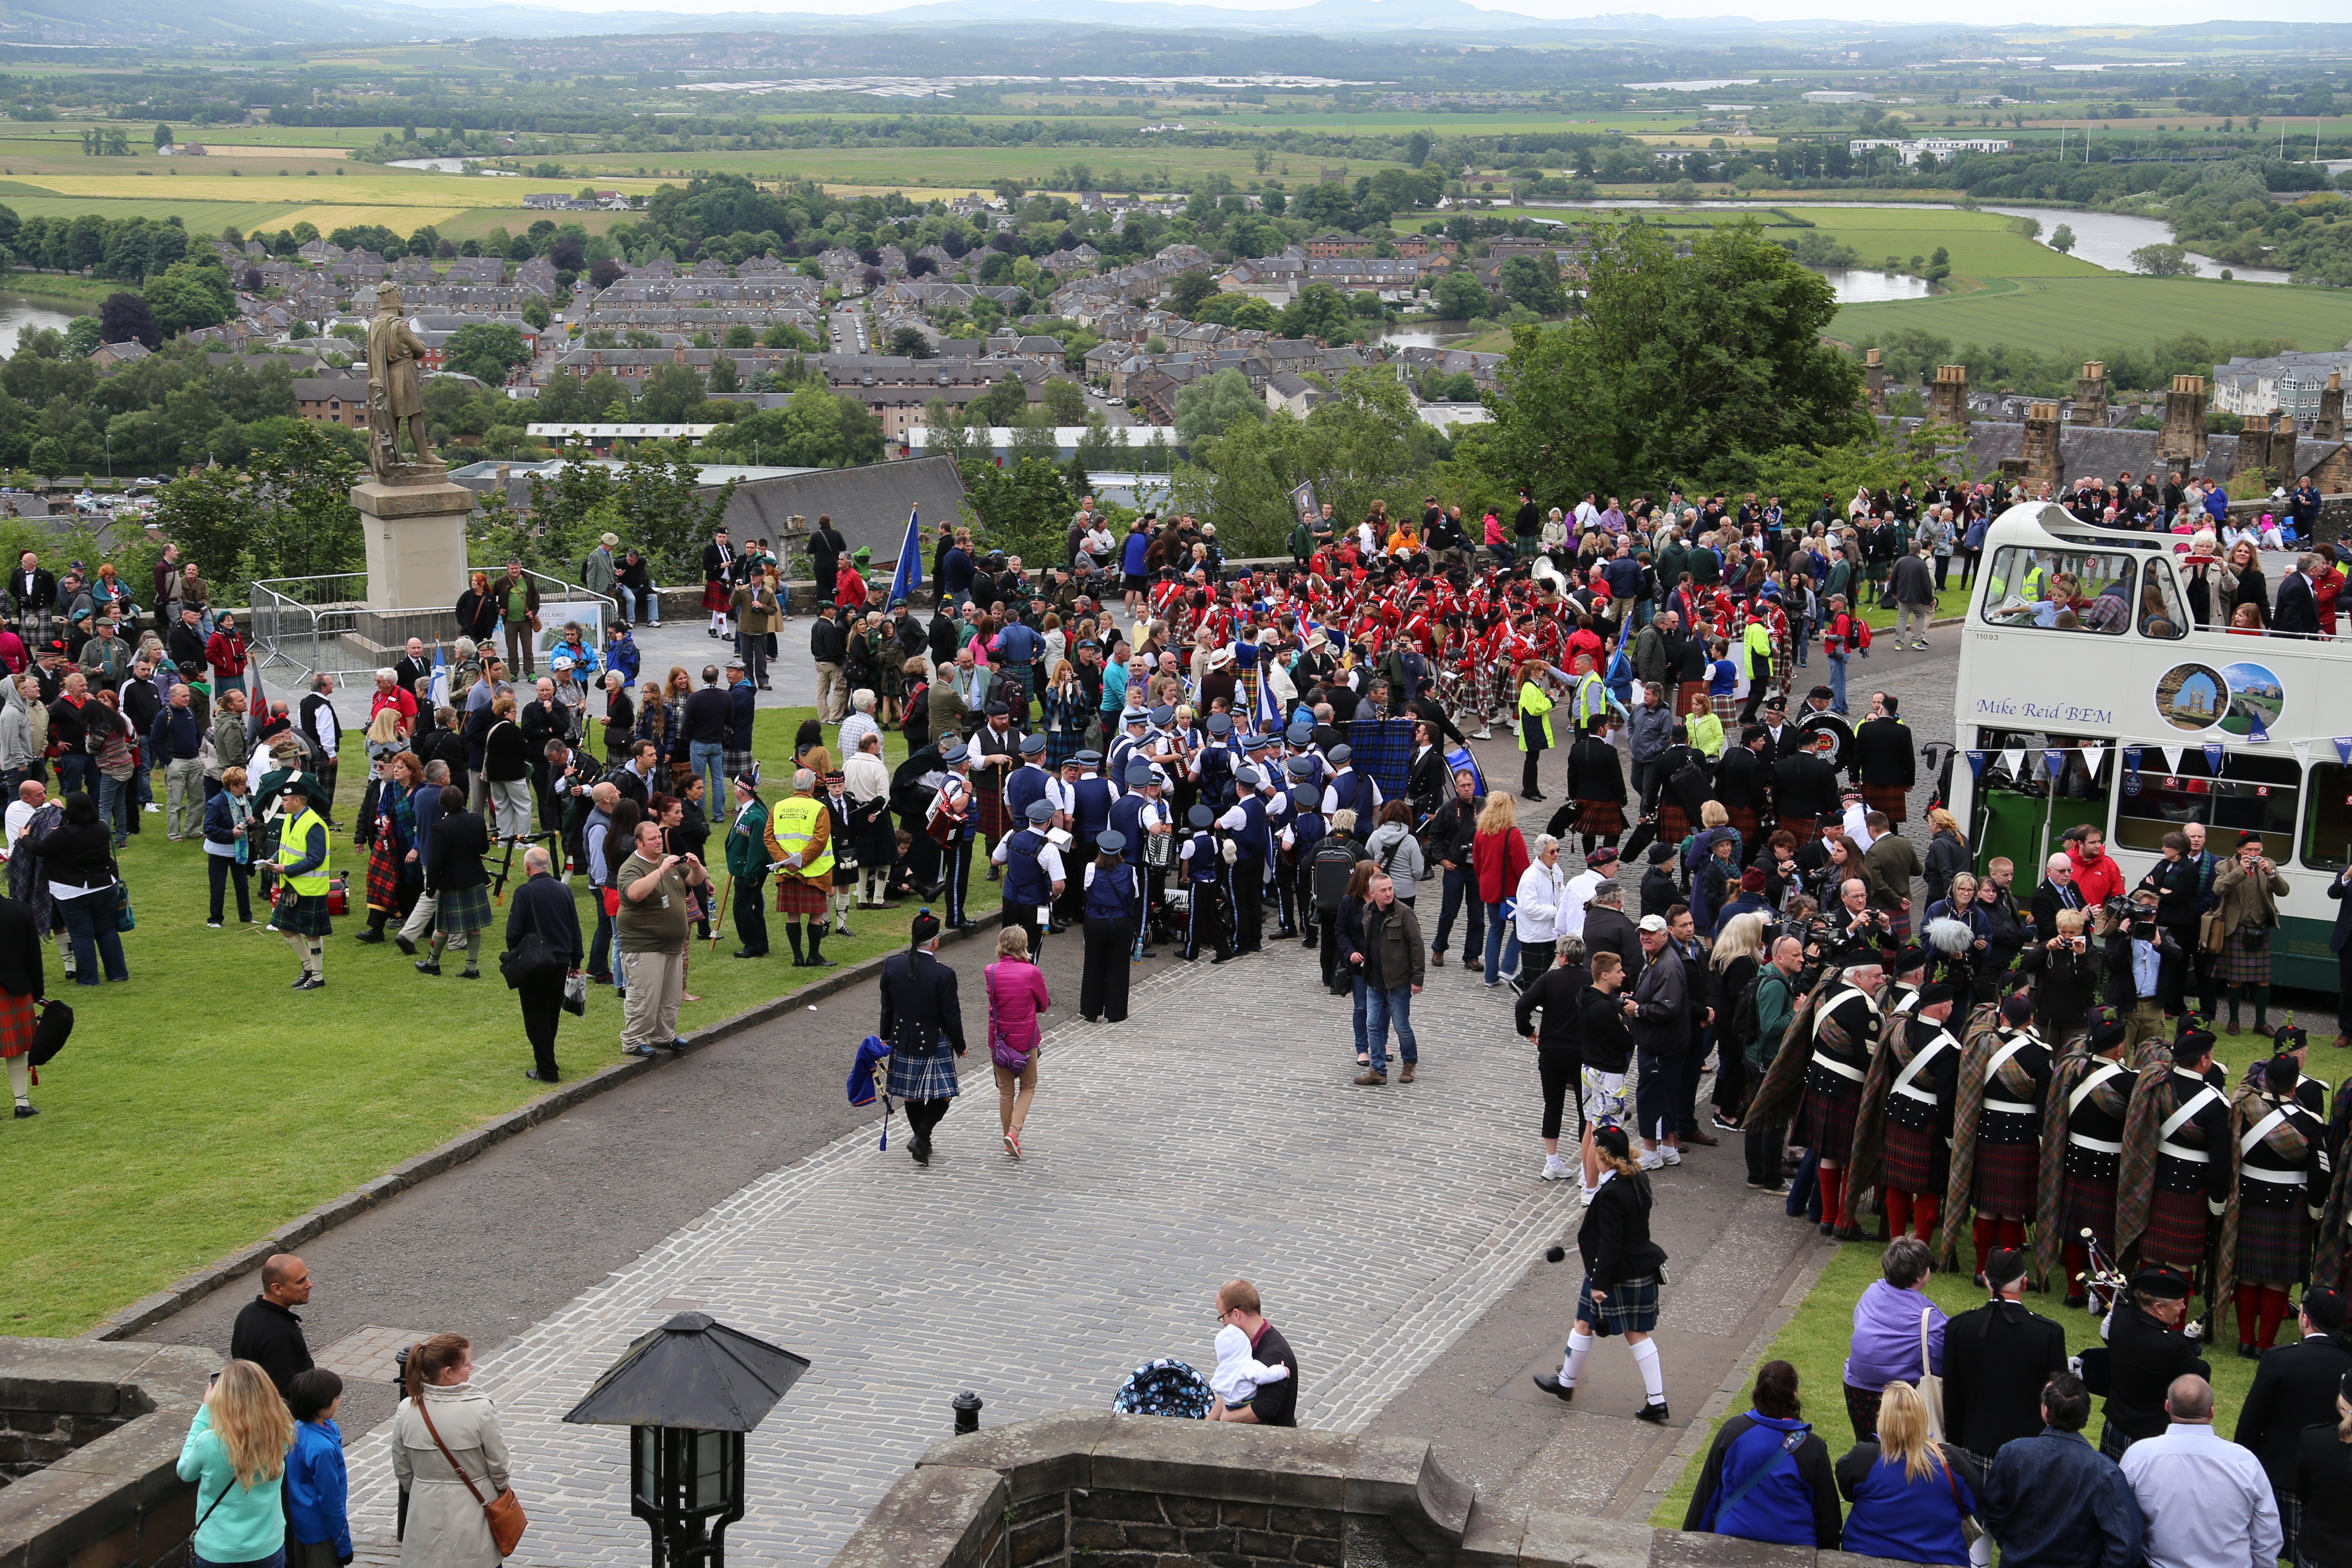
(2049, 314)
(972, 168)
(1816, 1342)
(201, 1104)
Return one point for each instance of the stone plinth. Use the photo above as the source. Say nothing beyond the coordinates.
(415, 542)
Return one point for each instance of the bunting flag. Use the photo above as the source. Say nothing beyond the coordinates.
(2131, 759)
(2092, 757)
(2054, 762)
(2013, 759)
(2343, 749)
(1975, 764)
(2214, 752)
(2254, 730)
(2302, 750)
(2171, 755)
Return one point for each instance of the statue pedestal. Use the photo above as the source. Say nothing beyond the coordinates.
(415, 542)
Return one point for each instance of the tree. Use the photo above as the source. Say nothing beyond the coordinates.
(1185, 295)
(1364, 442)
(603, 275)
(191, 294)
(1002, 404)
(1319, 311)
(668, 394)
(1530, 281)
(1459, 294)
(162, 137)
(486, 350)
(83, 334)
(1205, 410)
(1416, 148)
(128, 319)
(911, 343)
(2163, 262)
(203, 514)
(300, 519)
(2061, 239)
(48, 456)
(1245, 311)
(1679, 370)
(535, 312)
(722, 374)
(814, 430)
(1064, 402)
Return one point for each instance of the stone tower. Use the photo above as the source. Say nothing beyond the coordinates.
(2329, 424)
(1874, 381)
(2282, 448)
(2040, 456)
(1948, 399)
(2183, 439)
(2091, 397)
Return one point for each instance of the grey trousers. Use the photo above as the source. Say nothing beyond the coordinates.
(184, 798)
(511, 799)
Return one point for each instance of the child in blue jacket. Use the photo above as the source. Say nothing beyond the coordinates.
(318, 1533)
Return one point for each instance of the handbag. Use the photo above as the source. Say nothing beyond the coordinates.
(575, 995)
(123, 919)
(502, 1513)
(1970, 1530)
(1931, 1386)
(2210, 936)
(1001, 1051)
(526, 961)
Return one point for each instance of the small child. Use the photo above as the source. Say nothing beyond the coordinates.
(318, 1533)
(1238, 1373)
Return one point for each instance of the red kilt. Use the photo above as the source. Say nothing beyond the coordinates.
(1603, 818)
(18, 1020)
(2176, 1230)
(2274, 1244)
(1891, 799)
(795, 897)
(1800, 829)
(995, 818)
(1913, 1160)
(383, 875)
(2007, 1179)
(1683, 695)
(2088, 1203)
(1745, 819)
(1825, 1120)
(1673, 822)
(717, 596)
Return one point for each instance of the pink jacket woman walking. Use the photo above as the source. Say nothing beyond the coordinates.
(1016, 994)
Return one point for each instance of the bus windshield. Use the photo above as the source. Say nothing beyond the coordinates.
(2060, 590)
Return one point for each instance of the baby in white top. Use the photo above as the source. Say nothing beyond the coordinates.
(1238, 1373)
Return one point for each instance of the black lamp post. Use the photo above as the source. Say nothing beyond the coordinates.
(688, 1391)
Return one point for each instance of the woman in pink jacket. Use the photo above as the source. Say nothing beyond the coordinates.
(1016, 994)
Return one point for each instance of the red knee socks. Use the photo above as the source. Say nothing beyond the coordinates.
(1833, 1180)
(1987, 1229)
(2250, 1298)
(1929, 1208)
(2077, 1263)
(1898, 1213)
(2012, 1235)
(2273, 1308)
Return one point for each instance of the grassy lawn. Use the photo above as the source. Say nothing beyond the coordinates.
(202, 1103)
(1952, 601)
(1815, 1340)
(2052, 315)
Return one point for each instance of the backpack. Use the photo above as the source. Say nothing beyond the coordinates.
(1745, 1025)
(1332, 863)
(1860, 639)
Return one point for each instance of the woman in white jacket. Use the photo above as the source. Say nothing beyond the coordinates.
(449, 1457)
(1542, 887)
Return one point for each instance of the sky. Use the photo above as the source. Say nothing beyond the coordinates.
(2085, 13)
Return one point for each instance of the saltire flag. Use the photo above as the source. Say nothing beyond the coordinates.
(908, 575)
(440, 684)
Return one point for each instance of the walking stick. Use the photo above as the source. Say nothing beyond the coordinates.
(720, 919)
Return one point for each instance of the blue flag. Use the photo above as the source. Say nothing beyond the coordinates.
(2214, 752)
(440, 687)
(908, 576)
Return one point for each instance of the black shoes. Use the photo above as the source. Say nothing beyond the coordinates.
(310, 983)
(1551, 1384)
(426, 966)
(25, 1111)
(1656, 1415)
(372, 934)
(404, 945)
(536, 1076)
(744, 953)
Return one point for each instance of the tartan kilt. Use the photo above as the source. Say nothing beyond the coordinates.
(717, 596)
(2088, 1203)
(995, 818)
(18, 1020)
(2176, 1230)
(1800, 829)
(1632, 1306)
(463, 910)
(1825, 1119)
(735, 762)
(1673, 822)
(1724, 707)
(1061, 745)
(1605, 819)
(1891, 799)
(2274, 1244)
(924, 1078)
(2246, 959)
(795, 897)
(383, 876)
(2007, 1179)
(298, 916)
(1745, 819)
(1910, 1160)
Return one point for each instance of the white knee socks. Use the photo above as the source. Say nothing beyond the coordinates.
(1653, 1381)
(1571, 1365)
(20, 1077)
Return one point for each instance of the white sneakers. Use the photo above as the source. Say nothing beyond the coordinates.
(1553, 1171)
(1669, 1154)
(1651, 1161)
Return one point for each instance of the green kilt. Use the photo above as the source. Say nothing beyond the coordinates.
(298, 916)
(463, 910)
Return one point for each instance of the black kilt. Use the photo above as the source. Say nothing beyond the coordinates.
(2007, 1179)
(1825, 1120)
(2088, 1203)
(298, 916)
(1913, 1160)
(1601, 818)
(2176, 1230)
(2274, 1244)
(1891, 799)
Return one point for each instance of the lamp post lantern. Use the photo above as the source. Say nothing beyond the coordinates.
(688, 1392)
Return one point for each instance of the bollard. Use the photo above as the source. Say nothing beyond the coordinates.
(967, 1412)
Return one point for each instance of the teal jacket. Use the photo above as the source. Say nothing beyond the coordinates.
(248, 1524)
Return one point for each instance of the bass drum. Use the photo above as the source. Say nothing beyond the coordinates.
(1813, 724)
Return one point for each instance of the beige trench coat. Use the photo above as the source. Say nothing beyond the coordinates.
(446, 1527)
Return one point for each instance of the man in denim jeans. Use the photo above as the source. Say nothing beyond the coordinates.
(708, 719)
(1452, 840)
(1391, 963)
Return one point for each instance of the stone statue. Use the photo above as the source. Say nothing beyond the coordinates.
(397, 396)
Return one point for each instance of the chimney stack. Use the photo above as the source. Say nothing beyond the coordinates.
(2282, 450)
(2040, 455)
(2091, 395)
(2254, 444)
(1874, 381)
(2183, 439)
(2329, 426)
(1948, 399)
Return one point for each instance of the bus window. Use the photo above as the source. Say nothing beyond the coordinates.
(2253, 793)
(2327, 819)
(2060, 590)
(2161, 611)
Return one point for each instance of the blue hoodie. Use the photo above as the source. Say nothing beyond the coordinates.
(1795, 1502)
(317, 1487)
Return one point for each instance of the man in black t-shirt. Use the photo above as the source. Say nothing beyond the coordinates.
(1277, 1403)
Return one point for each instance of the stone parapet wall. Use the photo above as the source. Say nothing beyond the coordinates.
(1083, 1490)
(93, 1433)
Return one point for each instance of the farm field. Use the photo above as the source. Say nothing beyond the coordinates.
(210, 217)
(968, 168)
(2087, 313)
(363, 186)
(1980, 244)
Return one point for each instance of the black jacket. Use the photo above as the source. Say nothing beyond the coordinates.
(1603, 1039)
(1453, 831)
(460, 842)
(1883, 755)
(1607, 931)
(919, 1007)
(1996, 1360)
(79, 853)
(546, 906)
(828, 644)
(2323, 1481)
(2143, 1358)
(2295, 1388)
(1559, 995)
(270, 1336)
(1660, 891)
(1804, 787)
(1614, 1238)
(505, 755)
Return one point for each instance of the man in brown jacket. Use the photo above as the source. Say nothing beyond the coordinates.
(1891, 863)
(1387, 952)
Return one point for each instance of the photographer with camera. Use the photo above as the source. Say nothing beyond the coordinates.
(2249, 886)
(2066, 976)
(2141, 956)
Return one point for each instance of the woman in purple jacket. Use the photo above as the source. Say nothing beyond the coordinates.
(1016, 994)
(1896, 1329)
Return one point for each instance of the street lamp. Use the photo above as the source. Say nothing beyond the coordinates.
(688, 1391)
